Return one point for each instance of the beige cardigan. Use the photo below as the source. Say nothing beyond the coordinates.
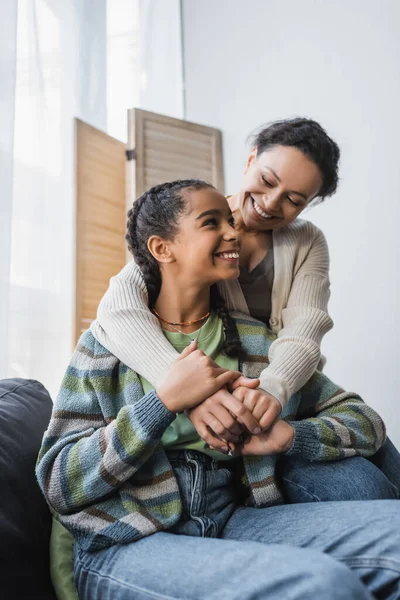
(299, 316)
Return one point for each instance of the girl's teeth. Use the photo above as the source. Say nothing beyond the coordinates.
(260, 211)
(230, 255)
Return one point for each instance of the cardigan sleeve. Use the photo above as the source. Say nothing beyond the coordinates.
(85, 454)
(295, 354)
(128, 329)
(336, 427)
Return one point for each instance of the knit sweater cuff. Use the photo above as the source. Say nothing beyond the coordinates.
(305, 441)
(151, 415)
(275, 386)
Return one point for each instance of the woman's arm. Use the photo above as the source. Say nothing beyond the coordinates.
(295, 354)
(88, 451)
(127, 328)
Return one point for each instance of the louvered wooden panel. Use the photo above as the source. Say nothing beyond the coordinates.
(168, 148)
(100, 218)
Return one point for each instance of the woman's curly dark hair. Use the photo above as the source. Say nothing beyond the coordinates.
(157, 212)
(309, 137)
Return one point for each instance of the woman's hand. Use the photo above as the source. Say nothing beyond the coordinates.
(192, 378)
(222, 418)
(264, 407)
(278, 439)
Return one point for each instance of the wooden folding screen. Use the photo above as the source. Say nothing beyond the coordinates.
(164, 148)
(100, 218)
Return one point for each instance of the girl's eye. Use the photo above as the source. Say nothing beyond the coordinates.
(231, 222)
(210, 222)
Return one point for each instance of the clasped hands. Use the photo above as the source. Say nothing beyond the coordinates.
(243, 419)
(228, 410)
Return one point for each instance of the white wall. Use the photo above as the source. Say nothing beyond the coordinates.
(250, 62)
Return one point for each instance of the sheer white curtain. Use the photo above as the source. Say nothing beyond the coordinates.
(8, 60)
(60, 74)
(144, 60)
(91, 59)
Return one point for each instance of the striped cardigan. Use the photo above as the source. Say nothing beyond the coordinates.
(105, 473)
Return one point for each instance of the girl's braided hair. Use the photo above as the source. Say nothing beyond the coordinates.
(157, 212)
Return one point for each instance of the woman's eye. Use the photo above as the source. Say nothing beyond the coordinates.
(293, 202)
(268, 183)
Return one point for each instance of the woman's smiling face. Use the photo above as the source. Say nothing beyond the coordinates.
(277, 186)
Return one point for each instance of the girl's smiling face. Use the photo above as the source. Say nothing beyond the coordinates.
(277, 186)
(206, 245)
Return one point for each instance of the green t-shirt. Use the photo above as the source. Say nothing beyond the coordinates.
(180, 434)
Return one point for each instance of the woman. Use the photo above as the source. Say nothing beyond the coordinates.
(154, 511)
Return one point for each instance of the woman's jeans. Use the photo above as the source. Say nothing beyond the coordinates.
(350, 479)
(219, 549)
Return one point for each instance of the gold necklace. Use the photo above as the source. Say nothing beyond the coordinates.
(192, 339)
(183, 323)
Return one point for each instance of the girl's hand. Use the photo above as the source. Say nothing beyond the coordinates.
(192, 378)
(278, 439)
(222, 418)
(264, 407)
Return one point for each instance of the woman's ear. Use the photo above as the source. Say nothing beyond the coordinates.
(251, 158)
(160, 249)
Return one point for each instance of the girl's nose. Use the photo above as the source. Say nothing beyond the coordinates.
(230, 233)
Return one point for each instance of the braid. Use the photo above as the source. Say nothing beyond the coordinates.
(232, 345)
(156, 212)
(144, 260)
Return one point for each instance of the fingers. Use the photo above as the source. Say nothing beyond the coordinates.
(268, 419)
(212, 440)
(188, 350)
(228, 449)
(261, 408)
(224, 424)
(241, 412)
(246, 382)
(251, 403)
(226, 377)
(219, 430)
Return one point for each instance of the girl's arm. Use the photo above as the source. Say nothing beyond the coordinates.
(129, 330)
(339, 425)
(92, 445)
(331, 425)
(295, 354)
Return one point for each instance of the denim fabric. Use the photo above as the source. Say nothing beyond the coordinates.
(351, 479)
(387, 459)
(207, 493)
(332, 551)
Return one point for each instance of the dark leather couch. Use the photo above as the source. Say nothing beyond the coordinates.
(25, 521)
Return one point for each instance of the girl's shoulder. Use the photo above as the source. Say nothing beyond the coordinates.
(90, 355)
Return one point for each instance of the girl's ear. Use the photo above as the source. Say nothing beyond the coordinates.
(251, 158)
(160, 249)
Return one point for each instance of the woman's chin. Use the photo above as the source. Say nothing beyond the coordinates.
(256, 223)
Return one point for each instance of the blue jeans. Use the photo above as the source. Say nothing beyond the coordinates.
(219, 550)
(350, 479)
